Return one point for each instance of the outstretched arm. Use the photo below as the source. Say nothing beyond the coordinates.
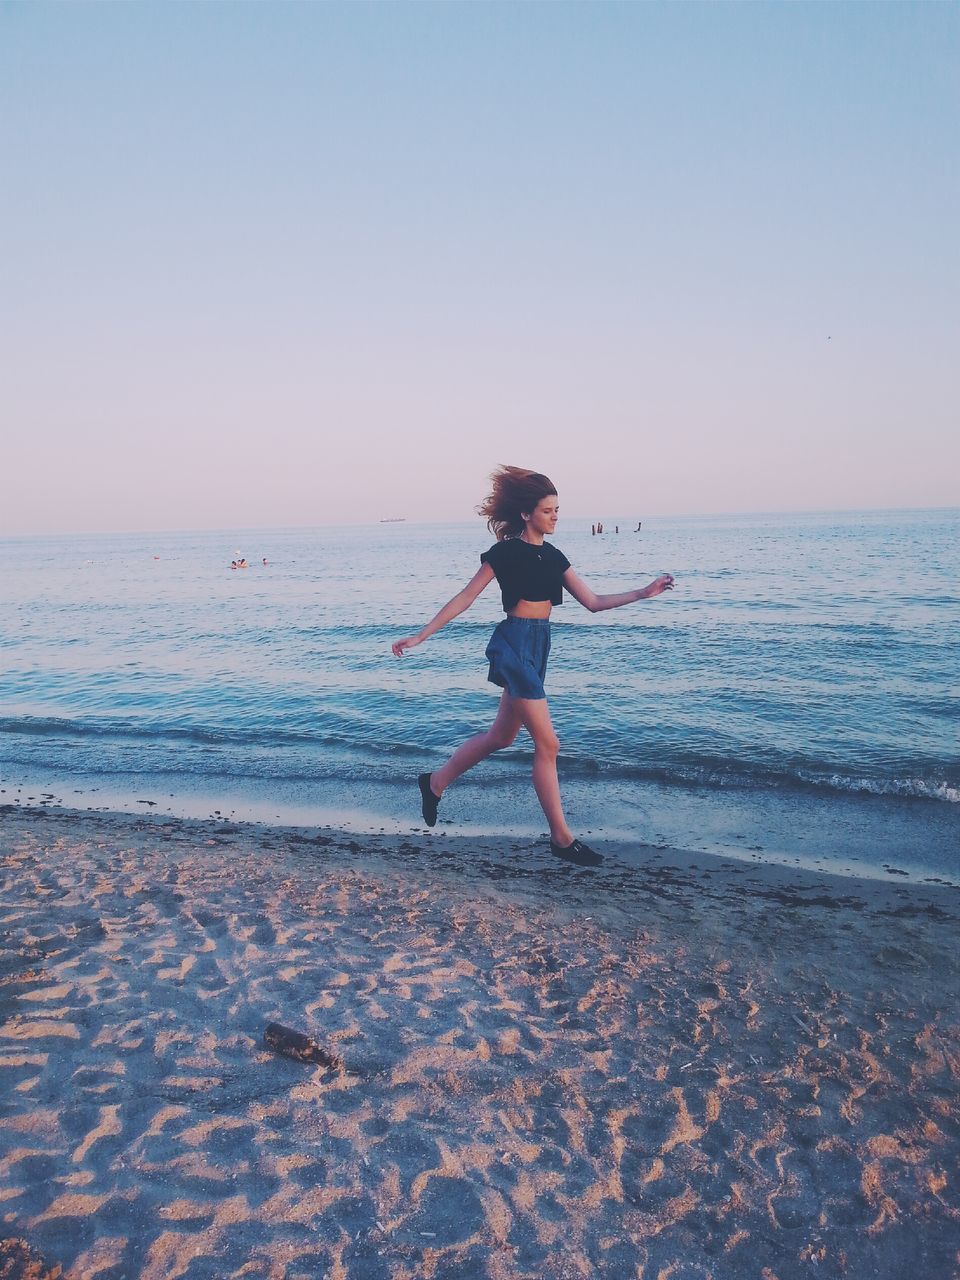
(596, 604)
(460, 602)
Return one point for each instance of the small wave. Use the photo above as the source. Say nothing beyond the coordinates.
(746, 777)
(915, 788)
(38, 726)
(340, 748)
(55, 726)
(201, 736)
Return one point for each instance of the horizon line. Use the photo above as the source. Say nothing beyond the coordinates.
(362, 524)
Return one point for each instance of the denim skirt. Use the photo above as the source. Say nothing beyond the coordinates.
(517, 654)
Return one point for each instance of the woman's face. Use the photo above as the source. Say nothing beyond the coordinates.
(543, 518)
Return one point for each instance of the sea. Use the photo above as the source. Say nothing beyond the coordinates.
(796, 698)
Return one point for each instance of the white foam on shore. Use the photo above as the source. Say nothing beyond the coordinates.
(870, 837)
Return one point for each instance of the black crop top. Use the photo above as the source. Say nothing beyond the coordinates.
(527, 572)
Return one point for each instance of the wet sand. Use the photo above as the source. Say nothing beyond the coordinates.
(675, 1067)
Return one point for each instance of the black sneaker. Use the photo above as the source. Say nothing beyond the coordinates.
(580, 854)
(428, 801)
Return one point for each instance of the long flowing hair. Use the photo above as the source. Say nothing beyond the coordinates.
(515, 491)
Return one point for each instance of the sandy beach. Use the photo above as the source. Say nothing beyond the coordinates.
(679, 1068)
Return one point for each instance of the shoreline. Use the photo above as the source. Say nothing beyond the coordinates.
(675, 1059)
(911, 839)
(514, 862)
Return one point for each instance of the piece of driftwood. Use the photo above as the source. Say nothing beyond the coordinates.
(293, 1044)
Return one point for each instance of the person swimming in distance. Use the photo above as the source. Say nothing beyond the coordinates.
(521, 510)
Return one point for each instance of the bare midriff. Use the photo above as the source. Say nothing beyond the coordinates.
(530, 609)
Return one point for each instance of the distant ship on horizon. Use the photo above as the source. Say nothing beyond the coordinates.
(392, 519)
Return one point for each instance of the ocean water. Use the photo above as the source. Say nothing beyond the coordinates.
(802, 659)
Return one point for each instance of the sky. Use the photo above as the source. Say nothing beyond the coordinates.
(271, 265)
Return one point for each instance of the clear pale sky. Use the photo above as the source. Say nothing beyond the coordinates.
(291, 264)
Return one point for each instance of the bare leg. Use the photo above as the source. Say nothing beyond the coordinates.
(535, 715)
(500, 734)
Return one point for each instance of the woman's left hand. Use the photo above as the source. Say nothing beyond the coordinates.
(663, 583)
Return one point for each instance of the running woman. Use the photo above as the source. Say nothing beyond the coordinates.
(521, 510)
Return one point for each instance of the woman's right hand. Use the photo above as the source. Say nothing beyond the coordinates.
(399, 647)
